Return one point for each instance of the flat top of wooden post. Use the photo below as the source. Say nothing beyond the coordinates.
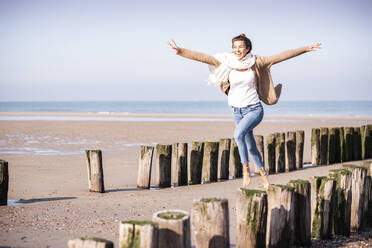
(139, 222)
(251, 192)
(172, 214)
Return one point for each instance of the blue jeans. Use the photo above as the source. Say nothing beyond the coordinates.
(246, 119)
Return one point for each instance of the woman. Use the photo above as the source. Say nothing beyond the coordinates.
(246, 80)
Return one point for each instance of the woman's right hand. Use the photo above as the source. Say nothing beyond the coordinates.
(173, 45)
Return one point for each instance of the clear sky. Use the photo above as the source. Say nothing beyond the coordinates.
(117, 50)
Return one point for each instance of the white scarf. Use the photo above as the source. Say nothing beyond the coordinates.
(229, 62)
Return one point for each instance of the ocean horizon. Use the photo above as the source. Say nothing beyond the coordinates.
(282, 108)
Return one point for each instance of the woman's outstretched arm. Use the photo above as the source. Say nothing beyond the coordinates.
(186, 53)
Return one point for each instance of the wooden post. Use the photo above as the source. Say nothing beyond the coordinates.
(95, 170)
(179, 164)
(280, 216)
(357, 144)
(196, 162)
(163, 165)
(348, 143)
(342, 201)
(338, 157)
(279, 152)
(223, 159)
(139, 234)
(366, 142)
(323, 146)
(323, 191)
(270, 148)
(251, 216)
(174, 228)
(315, 146)
(302, 209)
(236, 164)
(300, 139)
(368, 166)
(342, 144)
(4, 182)
(210, 161)
(90, 243)
(290, 151)
(332, 145)
(210, 223)
(358, 196)
(260, 146)
(144, 167)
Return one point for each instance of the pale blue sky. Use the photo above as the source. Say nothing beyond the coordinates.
(117, 50)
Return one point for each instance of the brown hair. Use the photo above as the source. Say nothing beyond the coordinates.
(247, 42)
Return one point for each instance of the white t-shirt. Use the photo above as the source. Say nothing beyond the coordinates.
(242, 91)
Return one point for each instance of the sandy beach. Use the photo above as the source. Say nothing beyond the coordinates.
(48, 171)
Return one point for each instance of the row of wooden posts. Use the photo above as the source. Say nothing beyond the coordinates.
(284, 216)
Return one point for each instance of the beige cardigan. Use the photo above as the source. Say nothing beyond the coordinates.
(264, 84)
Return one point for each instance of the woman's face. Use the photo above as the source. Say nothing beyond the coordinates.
(239, 49)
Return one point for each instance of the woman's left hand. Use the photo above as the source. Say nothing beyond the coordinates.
(314, 47)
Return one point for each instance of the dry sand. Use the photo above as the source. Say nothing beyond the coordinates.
(48, 171)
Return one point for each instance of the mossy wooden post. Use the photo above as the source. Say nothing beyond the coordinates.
(342, 144)
(348, 149)
(368, 166)
(144, 167)
(323, 146)
(210, 223)
(260, 146)
(323, 195)
(280, 216)
(366, 132)
(270, 154)
(251, 216)
(90, 243)
(357, 144)
(179, 164)
(210, 162)
(95, 170)
(138, 234)
(315, 146)
(223, 159)
(358, 196)
(279, 152)
(338, 157)
(332, 145)
(300, 139)
(342, 201)
(196, 162)
(163, 165)
(302, 209)
(4, 182)
(290, 151)
(236, 164)
(174, 228)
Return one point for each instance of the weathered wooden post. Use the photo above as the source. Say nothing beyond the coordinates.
(357, 144)
(300, 139)
(260, 146)
(323, 191)
(342, 201)
(348, 132)
(4, 182)
(315, 146)
(90, 243)
(270, 148)
(368, 166)
(163, 165)
(251, 216)
(323, 145)
(302, 212)
(179, 164)
(342, 144)
(144, 167)
(366, 141)
(358, 196)
(280, 216)
(95, 170)
(223, 159)
(210, 223)
(210, 162)
(338, 147)
(196, 162)
(236, 164)
(174, 228)
(290, 151)
(332, 145)
(139, 234)
(279, 152)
